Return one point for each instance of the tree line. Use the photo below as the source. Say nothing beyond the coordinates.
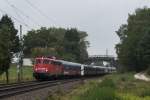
(67, 44)
(133, 50)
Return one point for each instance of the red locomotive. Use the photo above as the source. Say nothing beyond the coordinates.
(50, 68)
(46, 68)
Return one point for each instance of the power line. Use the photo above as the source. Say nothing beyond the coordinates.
(19, 16)
(13, 9)
(21, 12)
(39, 11)
(31, 19)
(15, 18)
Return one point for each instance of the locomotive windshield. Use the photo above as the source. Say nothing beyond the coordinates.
(38, 61)
(46, 61)
(42, 61)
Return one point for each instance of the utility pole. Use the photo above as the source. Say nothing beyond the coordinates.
(21, 52)
(107, 52)
(20, 60)
(18, 70)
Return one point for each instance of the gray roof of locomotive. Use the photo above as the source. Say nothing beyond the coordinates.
(71, 64)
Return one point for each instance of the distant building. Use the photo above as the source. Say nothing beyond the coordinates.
(27, 62)
(15, 58)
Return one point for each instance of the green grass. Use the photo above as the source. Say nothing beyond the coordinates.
(112, 87)
(27, 74)
(103, 91)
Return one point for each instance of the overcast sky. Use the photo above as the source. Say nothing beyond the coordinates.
(99, 18)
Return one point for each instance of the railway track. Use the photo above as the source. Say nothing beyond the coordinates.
(15, 89)
(15, 84)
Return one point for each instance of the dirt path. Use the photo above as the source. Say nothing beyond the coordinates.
(141, 76)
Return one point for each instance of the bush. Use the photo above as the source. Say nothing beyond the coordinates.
(101, 91)
(107, 83)
(145, 93)
(148, 71)
(132, 97)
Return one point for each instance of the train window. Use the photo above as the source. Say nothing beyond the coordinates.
(45, 61)
(56, 63)
(38, 61)
(67, 67)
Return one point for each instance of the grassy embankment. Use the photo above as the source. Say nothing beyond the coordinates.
(27, 74)
(112, 87)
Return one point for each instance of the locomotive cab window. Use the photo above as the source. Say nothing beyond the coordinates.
(46, 61)
(38, 61)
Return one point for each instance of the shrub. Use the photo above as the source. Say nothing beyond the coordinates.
(148, 71)
(107, 83)
(132, 97)
(99, 93)
(145, 93)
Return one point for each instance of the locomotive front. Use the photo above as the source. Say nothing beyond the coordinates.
(41, 68)
(47, 68)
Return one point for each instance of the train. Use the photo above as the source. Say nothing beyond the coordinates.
(46, 68)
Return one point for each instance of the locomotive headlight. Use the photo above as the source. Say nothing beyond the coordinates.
(46, 70)
(36, 69)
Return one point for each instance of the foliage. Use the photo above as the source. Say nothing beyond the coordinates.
(101, 91)
(9, 43)
(42, 52)
(144, 50)
(148, 71)
(131, 97)
(68, 44)
(75, 45)
(111, 87)
(134, 48)
(42, 38)
(71, 43)
(107, 82)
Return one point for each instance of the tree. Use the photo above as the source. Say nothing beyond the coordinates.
(75, 43)
(9, 43)
(71, 43)
(43, 38)
(83, 44)
(43, 52)
(131, 36)
(144, 51)
(67, 44)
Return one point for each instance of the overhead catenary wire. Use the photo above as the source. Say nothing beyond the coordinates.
(17, 10)
(14, 10)
(40, 11)
(22, 20)
(19, 16)
(15, 18)
(31, 19)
